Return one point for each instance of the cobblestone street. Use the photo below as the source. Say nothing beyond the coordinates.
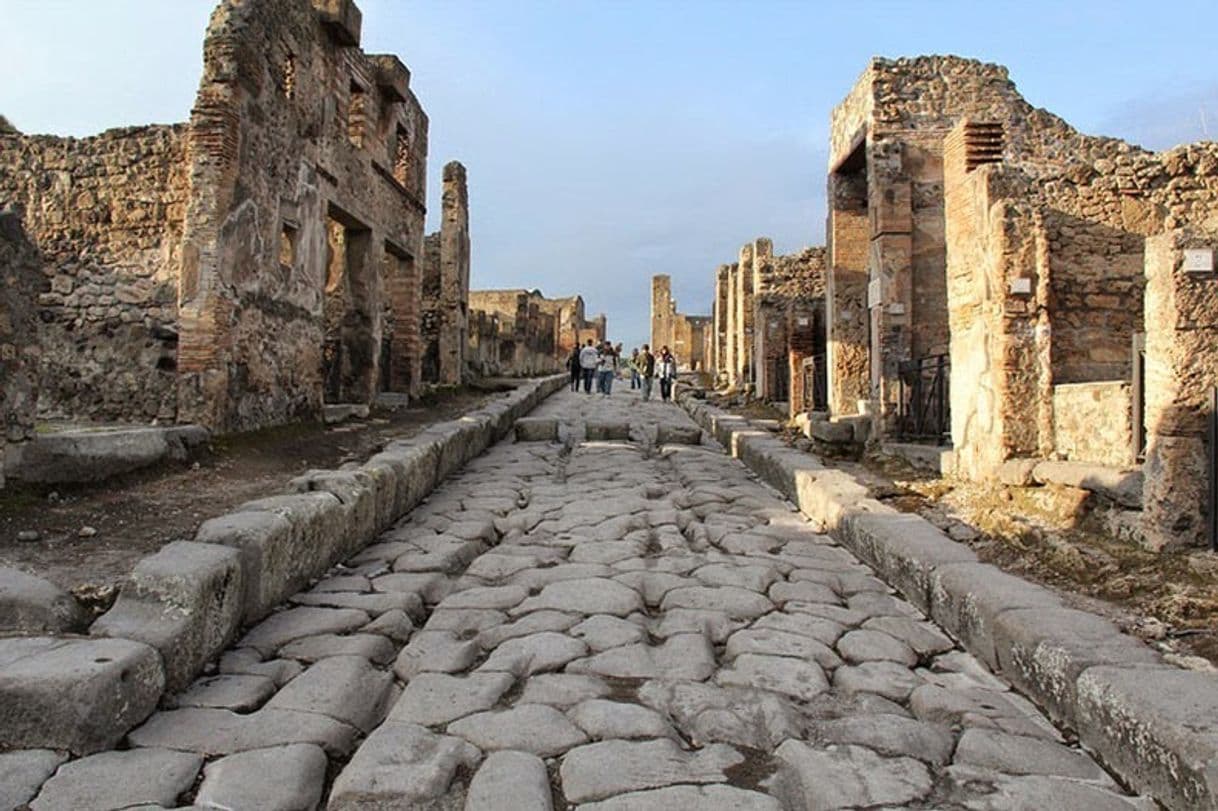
(609, 623)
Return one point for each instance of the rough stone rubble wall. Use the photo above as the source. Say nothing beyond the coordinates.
(783, 285)
(294, 132)
(106, 214)
(21, 281)
(520, 331)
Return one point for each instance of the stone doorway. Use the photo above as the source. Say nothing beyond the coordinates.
(350, 349)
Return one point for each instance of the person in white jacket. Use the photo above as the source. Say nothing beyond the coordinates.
(588, 357)
(667, 373)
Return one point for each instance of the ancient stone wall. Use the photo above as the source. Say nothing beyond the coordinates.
(296, 137)
(528, 330)
(106, 215)
(684, 334)
(1092, 422)
(21, 282)
(782, 283)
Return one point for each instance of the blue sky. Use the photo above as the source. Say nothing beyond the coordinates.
(609, 141)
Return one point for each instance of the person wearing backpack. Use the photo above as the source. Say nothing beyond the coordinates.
(588, 357)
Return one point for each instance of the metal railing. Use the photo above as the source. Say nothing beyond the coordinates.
(924, 409)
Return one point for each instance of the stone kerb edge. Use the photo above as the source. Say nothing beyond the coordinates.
(187, 602)
(1079, 667)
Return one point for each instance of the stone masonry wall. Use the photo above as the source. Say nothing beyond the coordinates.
(784, 283)
(21, 281)
(293, 129)
(1092, 422)
(106, 214)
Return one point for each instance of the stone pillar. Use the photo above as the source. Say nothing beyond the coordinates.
(21, 281)
(720, 318)
(763, 269)
(803, 323)
(744, 316)
(890, 274)
(663, 311)
(1181, 319)
(847, 326)
(454, 274)
(730, 342)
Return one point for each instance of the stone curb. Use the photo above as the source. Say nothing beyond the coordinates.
(1155, 725)
(186, 603)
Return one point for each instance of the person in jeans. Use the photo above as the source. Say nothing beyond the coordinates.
(647, 370)
(668, 373)
(605, 369)
(588, 357)
(633, 365)
(574, 368)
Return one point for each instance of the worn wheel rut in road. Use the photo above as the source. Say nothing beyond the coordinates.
(586, 625)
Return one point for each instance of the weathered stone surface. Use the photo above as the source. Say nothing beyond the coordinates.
(240, 693)
(682, 656)
(847, 777)
(297, 623)
(600, 770)
(23, 772)
(437, 698)
(221, 732)
(736, 602)
(536, 728)
(875, 646)
(1037, 791)
(373, 647)
(703, 798)
(120, 780)
(346, 688)
(779, 643)
(435, 652)
(1016, 754)
(31, 605)
(742, 716)
(792, 677)
(537, 653)
(510, 779)
(584, 596)
(604, 720)
(534, 623)
(562, 689)
(186, 601)
(602, 632)
(282, 778)
(887, 679)
(893, 736)
(400, 766)
(79, 695)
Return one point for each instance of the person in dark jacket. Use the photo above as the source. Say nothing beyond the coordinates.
(574, 368)
(647, 370)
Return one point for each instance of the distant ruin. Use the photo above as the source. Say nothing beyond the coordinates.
(521, 332)
(688, 336)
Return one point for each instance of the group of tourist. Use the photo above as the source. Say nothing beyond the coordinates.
(601, 364)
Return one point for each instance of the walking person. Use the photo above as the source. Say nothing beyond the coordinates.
(668, 373)
(633, 364)
(605, 369)
(574, 368)
(647, 370)
(588, 357)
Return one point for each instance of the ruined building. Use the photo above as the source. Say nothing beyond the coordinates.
(446, 258)
(240, 269)
(685, 335)
(521, 332)
(1003, 282)
(21, 282)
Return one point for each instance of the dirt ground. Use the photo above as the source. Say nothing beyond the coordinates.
(135, 515)
(1061, 538)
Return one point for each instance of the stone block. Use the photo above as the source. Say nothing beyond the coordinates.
(392, 77)
(86, 456)
(967, 598)
(79, 695)
(120, 780)
(401, 766)
(316, 536)
(668, 434)
(1018, 472)
(536, 429)
(383, 478)
(341, 412)
(833, 432)
(1044, 651)
(348, 688)
(608, 431)
(31, 605)
(272, 570)
(23, 772)
(185, 601)
(1122, 486)
(1157, 727)
(279, 778)
(904, 549)
(356, 492)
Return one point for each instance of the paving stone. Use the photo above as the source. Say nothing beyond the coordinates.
(601, 770)
(603, 720)
(375, 604)
(585, 596)
(888, 679)
(432, 587)
(223, 732)
(792, 677)
(736, 602)
(1001, 793)
(742, 716)
(802, 591)
(881, 605)
(1016, 754)
(780, 643)
(501, 597)
(606, 552)
(875, 646)
(847, 777)
(23, 772)
(347, 688)
(703, 798)
(683, 656)
(653, 585)
(32, 605)
(281, 778)
(892, 735)
(239, 693)
(716, 625)
(824, 631)
(602, 632)
(248, 662)
(348, 582)
(847, 617)
(393, 625)
(980, 707)
(435, 652)
(538, 653)
(279, 629)
(753, 577)
(527, 625)
(925, 639)
(438, 698)
(463, 621)
(536, 728)
(563, 689)
(119, 780)
(400, 765)
(510, 780)
(372, 647)
(498, 565)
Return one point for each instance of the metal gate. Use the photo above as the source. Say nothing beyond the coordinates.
(924, 409)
